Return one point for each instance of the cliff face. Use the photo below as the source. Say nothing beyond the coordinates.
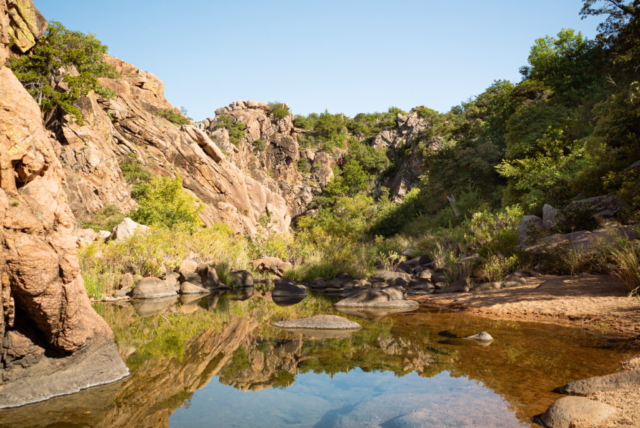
(236, 186)
(53, 342)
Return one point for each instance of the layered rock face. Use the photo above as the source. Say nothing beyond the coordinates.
(268, 152)
(53, 342)
(126, 128)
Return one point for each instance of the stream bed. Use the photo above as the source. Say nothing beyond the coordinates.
(217, 361)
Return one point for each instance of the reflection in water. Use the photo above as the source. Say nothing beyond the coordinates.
(217, 358)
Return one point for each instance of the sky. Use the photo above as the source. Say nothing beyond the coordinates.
(347, 56)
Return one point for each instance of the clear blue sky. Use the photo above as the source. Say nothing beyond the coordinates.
(346, 56)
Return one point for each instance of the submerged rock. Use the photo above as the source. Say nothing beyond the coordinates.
(320, 322)
(568, 411)
(623, 380)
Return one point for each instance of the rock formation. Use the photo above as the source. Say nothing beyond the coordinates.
(53, 342)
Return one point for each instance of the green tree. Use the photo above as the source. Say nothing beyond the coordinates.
(163, 202)
(54, 57)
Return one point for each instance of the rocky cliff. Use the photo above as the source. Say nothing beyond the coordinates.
(53, 342)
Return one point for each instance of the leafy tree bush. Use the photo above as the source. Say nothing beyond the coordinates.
(366, 125)
(279, 110)
(163, 202)
(372, 160)
(133, 171)
(172, 116)
(54, 56)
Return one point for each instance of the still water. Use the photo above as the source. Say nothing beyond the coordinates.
(216, 361)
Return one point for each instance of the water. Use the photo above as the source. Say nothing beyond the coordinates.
(216, 361)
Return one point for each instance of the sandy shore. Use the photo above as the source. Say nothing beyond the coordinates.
(593, 301)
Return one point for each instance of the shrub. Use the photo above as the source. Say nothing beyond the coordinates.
(259, 145)
(163, 202)
(279, 110)
(303, 166)
(133, 171)
(59, 50)
(236, 129)
(106, 219)
(174, 117)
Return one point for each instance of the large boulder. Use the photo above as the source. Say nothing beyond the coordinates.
(320, 322)
(459, 286)
(375, 299)
(241, 278)
(387, 275)
(152, 288)
(271, 264)
(528, 226)
(598, 206)
(127, 229)
(550, 217)
(189, 288)
(288, 289)
(568, 412)
(623, 380)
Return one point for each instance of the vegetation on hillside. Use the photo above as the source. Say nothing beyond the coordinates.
(568, 130)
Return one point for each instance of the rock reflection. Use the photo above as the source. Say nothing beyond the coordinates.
(174, 349)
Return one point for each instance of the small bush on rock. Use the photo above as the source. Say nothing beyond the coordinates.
(173, 116)
(279, 110)
(236, 129)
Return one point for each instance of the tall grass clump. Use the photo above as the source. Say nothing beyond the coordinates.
(626, 264)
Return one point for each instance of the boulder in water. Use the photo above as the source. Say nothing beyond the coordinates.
(376, 299)
(189, 288)
(288, 289)
(483, 336)
(568, 411)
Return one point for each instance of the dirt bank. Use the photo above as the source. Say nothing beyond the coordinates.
(593, 301)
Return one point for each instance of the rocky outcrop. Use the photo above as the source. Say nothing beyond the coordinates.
(25, 23)
(53, 342)
(405, 139)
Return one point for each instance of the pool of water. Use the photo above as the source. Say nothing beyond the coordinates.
(216, 361)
